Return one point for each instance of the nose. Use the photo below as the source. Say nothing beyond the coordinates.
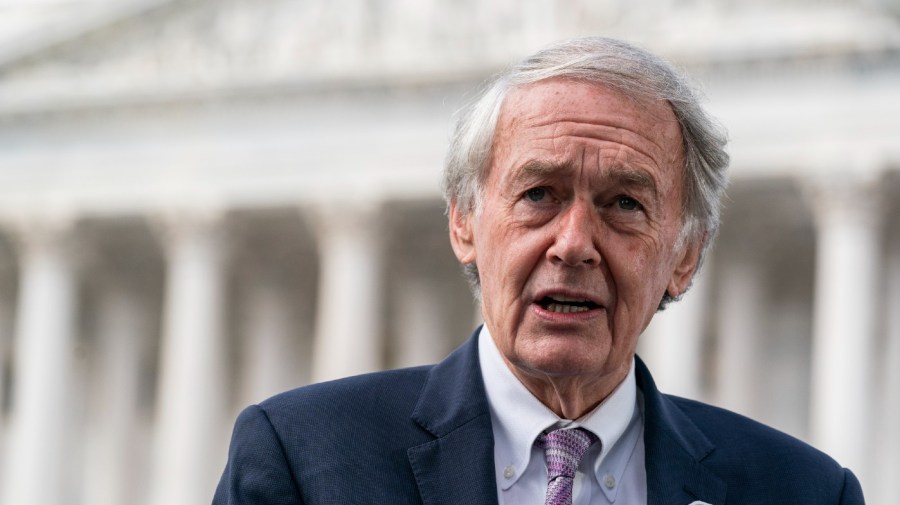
(573, 243)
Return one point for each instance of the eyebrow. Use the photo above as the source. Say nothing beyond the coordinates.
(618, 173)
(632, 177)
(537, 168)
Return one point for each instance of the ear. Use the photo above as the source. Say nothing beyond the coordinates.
(685, 267)
(462, 236)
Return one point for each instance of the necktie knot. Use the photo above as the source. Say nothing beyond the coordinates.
(563, 450)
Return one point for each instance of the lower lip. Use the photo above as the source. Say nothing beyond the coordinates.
(566, 316)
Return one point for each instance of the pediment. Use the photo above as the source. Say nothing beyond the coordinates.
(189, 45)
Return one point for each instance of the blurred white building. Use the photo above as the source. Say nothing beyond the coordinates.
(205, 202)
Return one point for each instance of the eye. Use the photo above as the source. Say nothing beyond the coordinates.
(627, 203)
(536, 194)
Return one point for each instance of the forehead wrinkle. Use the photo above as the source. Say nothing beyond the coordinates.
(614, 132)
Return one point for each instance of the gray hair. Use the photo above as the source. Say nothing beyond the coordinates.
(628, 69)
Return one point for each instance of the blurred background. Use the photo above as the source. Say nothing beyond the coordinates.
(205, 202)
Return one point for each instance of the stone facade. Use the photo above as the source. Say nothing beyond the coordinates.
(205, 202)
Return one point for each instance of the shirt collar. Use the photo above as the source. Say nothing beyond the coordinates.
(519, 417)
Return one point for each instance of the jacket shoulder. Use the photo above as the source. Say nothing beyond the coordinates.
(730, 431)
(374, 395)
(749, 454)
(347, 438)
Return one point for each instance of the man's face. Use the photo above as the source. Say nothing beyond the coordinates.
(575, 240)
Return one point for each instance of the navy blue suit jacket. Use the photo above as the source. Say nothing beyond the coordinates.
(423, 436)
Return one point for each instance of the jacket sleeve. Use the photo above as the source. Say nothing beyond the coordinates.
(257, 472)
(852, 493)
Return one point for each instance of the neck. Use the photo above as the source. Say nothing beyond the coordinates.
(570, 397)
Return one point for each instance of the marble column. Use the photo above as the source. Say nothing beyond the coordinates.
(846, 213)
(121, 343)
(422, 326)
(672, 345)
(7, 318)
(740, 335)
(888, 427)
(348, 314)
(272, 356)
(39, 438)
(191, 429)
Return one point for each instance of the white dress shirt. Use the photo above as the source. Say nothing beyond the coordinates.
(611, 471)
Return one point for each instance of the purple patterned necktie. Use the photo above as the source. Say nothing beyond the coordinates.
(563, 450)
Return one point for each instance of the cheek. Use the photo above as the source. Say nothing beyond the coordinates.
(509, 253)
(638, 270)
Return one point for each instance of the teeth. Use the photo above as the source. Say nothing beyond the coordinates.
(561, 298)
(565, 309)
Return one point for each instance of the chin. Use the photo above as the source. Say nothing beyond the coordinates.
(564, 362)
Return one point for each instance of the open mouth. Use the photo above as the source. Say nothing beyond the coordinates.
(564, 305)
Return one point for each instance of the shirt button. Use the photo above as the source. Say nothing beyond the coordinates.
(609, 481)
(509, 472)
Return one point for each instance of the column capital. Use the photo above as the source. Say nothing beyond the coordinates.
(33, 233)
(175, 227)
(852, 196)
(358, 216)
(172, 223)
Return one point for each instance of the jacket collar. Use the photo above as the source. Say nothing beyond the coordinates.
(458, 465)
(675, 449)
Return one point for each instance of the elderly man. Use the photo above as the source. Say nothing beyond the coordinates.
(583, 189)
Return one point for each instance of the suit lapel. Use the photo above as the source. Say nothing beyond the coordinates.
(458, 465)
(675, 449)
